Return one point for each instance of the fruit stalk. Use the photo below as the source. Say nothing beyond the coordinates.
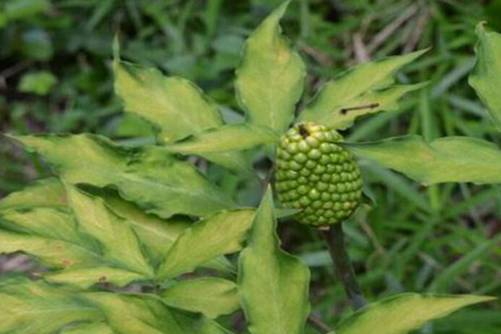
(342, 265)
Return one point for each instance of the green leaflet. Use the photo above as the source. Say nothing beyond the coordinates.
(402, 313)
(39, 308)
(233, 137)
(129, 314)
(221, 145)
(43, 208)
(150, 177)
(273, 284)
(93, 245)
(210, 296)
(46, 192)
(49, 234)
(368, 88)
(217, 235)
(448, 159)
(157, 235)
(118, 241)
(486, 76)
(174, 105)
(270, 78)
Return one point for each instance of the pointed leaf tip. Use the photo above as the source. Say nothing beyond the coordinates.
(271, 76)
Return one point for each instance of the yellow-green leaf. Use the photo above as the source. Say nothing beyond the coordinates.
(49, 234)
(402, 313)
(46, 192)
(210, 296)
(273, 284)
(271, 76)
(150, 177)
(140, 314)
(447, 159)
(173, 105)
(88, 328)
(486, 76)
(30, 307)
(118, 241)
(217, 235)
(37, 308)
(233, 137)
(365, 89)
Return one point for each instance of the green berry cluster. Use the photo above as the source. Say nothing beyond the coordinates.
(317, 175)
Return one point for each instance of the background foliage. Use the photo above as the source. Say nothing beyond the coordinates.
(55, 76)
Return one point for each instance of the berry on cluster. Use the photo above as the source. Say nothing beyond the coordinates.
(317, 175)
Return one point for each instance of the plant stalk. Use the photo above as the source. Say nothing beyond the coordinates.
(342, 265)
(319, 325)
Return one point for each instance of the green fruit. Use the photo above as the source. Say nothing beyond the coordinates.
(317, 175)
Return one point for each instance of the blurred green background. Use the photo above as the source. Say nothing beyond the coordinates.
(55, 76)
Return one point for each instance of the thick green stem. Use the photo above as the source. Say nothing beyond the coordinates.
(344, 269)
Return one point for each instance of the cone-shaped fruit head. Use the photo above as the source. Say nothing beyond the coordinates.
(317, 175)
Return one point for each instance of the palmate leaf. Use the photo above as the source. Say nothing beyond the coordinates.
(368, 88)
(89, 244)
(53, 228)
(270, 78)
(402, 313)
(150, 177)
(175, 106)
(486, 76)
(210, 296)
(273, 284)
(156, 234)
(39, 308)
(448, 159)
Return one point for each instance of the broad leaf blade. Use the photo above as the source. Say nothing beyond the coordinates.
(174, 105)
(366, 89)
(233, 137)
(46, 192)
(273, 284)
(402, 313)
(47, 233)
(128, 314)
(150, 177)
(37, 308)
(486, 76)
(93, 274)
(118, 241)
(217, 235)
(210, 296)
(88, 245)
(448, 159)
(156, 234)
(270, 78)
